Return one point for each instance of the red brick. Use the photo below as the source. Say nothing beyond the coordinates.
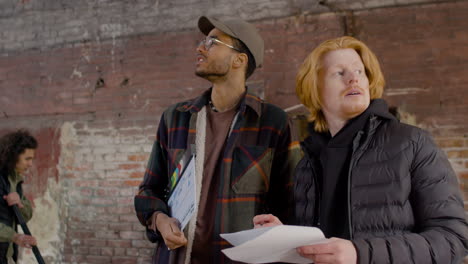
(94, 251)
(98, 259)
(144, 260)
(113, 183)
(131, 235)
(450, 143)
(74, 258)
(463, 175)
(86, 183)
(124, 260)
(86, 191)
(80, 234)
(107, 251)
(120, 210)
(81, 250)
(133, 183)
(119, 251)
(119, 243)
(94, 242)
(129, 166)
(108, 234)
(142, 244)
(145, 251)
(128, 218)
(138, 157)
(120, 226)
(108, 192)
(457, 154)
(132, 252)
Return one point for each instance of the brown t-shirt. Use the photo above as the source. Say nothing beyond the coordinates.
(217, 129)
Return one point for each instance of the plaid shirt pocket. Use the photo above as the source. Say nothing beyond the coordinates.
(177, 164)
(251, 168)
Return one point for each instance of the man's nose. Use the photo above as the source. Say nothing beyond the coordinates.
(353, 77)
(200, 47)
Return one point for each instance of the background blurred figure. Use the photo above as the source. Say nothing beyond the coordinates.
(380, 189)
(17, 152)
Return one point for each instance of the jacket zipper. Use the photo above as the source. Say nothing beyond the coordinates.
(355, 156)
(316, 220)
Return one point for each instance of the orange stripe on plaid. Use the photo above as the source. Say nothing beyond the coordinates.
(255, 163)
(294, 144)
(255, 129)
(253, 97)
(147, 197)
(227, 160)
(221, 243)
(177, 128)
(189, 106)
(174, 156)
(150, 172)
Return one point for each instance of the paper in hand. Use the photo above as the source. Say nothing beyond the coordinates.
(272, 244)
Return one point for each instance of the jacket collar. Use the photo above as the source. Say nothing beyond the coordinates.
(248, 100)
(16, 177)
(379, 107)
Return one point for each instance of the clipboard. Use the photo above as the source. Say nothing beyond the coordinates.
(185, 163)
(182, 199)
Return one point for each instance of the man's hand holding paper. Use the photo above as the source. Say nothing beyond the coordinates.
(272, 244)
(336, 250)
(266, 220)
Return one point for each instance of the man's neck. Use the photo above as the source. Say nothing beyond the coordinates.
(335, 126)
(226, 96)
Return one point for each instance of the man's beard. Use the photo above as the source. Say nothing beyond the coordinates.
(211, 76)
(214, 71)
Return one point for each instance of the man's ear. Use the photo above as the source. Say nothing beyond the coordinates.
(240, 60)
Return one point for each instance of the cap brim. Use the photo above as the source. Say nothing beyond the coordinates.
(206, 24)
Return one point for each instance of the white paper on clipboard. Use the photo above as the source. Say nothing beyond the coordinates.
(183, 198)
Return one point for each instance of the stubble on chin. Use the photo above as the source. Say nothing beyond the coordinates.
(212, 75)
(214, 71)
(357, 109)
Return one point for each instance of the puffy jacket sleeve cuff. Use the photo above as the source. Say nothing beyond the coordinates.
(362, 250)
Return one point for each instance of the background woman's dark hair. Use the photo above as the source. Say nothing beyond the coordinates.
(11, 146)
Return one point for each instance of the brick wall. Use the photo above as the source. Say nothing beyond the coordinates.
(94, 101)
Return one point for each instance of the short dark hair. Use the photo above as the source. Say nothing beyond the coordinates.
(12, 145)
(251, 65)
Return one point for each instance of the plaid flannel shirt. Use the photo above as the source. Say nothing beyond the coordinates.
(257, 164)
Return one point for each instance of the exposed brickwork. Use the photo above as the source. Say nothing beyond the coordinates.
(94, 100)
(101, 215)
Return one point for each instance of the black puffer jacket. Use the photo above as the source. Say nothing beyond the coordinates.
(404, 202)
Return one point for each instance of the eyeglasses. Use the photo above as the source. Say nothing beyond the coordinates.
(209, 41)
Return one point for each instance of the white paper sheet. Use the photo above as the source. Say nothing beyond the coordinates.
(182, 200)
(272, 244)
